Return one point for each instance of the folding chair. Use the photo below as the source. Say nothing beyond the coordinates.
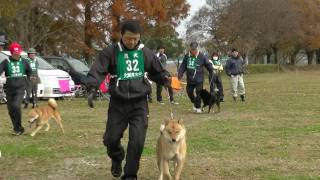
(65, 89)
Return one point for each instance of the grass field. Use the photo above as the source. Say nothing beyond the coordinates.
(275, 134)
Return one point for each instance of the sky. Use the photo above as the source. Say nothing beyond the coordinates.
(195, 5)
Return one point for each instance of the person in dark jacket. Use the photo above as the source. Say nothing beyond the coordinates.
(234, 69)
(194, 63)
(16, 69)
(32, 83)
(130, 64)
(163, 59)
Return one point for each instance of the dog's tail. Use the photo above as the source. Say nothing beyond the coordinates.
(52, 103)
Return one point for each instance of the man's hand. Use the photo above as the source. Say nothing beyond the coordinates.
(91, 97)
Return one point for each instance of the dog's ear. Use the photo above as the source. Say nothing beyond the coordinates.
(180, 121)
(162, 126)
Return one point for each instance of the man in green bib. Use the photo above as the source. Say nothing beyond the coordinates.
(16, 69)
(193, 64)
(32, 83)
(130, 64)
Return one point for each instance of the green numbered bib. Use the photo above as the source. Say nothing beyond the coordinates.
(130, 64)
(216, 62)
(33, 64)
(192, 62)
(16, 69)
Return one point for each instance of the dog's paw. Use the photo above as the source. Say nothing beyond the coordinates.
(32, 134)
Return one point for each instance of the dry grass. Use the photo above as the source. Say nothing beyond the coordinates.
(273, 135)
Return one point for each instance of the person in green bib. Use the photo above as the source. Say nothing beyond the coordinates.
(193, 63)
(216, 81)
(130, 64)
(33, 81)
(16, 69)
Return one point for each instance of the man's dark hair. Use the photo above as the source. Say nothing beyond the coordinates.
(234, 49)
(160, 47)
(132, 26)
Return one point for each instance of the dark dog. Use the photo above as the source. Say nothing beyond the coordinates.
(210, 99)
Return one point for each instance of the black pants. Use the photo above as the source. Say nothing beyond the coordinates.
(31, 88)
(216, 82)
(122, 113)
(159, 91)
(14, 101)
(196, 100)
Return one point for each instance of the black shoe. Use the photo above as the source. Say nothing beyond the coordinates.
(242, 98)
(128, 178)
(116, 169)
(17, 133)
(25, 105)
(221, 100)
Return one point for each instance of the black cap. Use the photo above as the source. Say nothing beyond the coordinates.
(193, 45)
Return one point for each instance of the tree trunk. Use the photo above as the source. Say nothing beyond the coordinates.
(275, 52)
(269, 57)
(318, 56)
(87, 33)
(311, 57)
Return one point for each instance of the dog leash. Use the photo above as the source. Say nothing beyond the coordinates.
(170, 105)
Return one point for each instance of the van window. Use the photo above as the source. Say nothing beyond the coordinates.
(43, 64)
(78, 65)
(60, 64)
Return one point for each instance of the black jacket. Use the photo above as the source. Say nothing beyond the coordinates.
(234, 66)
(106, 62)
(197, 75)
(14, 85)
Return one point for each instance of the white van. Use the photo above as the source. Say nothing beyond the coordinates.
(49, 77)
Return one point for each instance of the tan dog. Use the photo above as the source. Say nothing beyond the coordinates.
(42, 115)
(171, 146)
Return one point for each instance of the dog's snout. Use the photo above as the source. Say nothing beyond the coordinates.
(173, 140)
